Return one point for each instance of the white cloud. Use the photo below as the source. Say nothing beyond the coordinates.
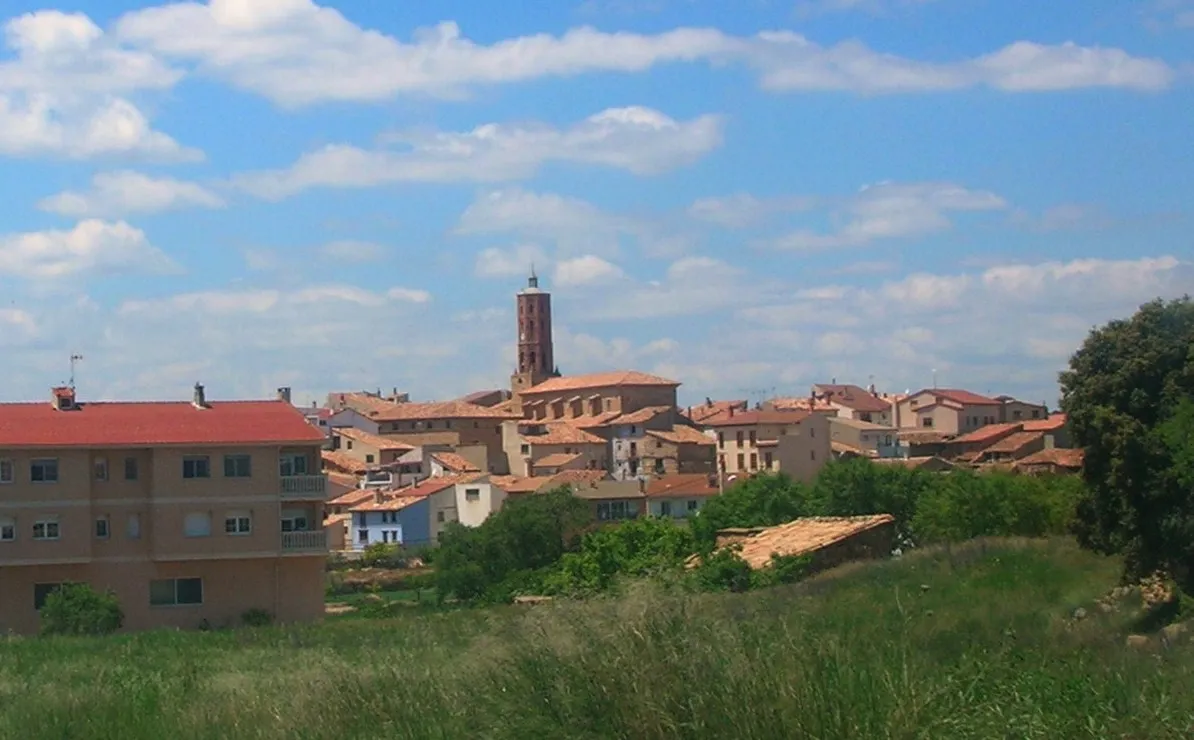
(586, 270)
(638, 140)
(689, 286)
(891, 211)
(497, 263)
(743, 209)
(352, 251)
(807, 8)
(121, 193)
(296, 53)
(91, 247)
(408, 295)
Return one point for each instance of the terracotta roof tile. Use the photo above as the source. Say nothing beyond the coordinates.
(340, 461)
(710, 409)
(372, 440)
(516, 484)
(923, 436)
(387, 502)
(1053, 423)
(853, 397)
(380, 409)
(455, 463)
(347, 480)
(804, 536)
(1013, 443)
(1061, 457)
(843, 448)
(986, 433)
(802, 404)
(682, 484)
(560, 433)
(864, 426)
(168, 423)
(577, 476)
(593, 422)
(960, 396)
(351, 498)
(556, 460)
(599, 380)
(752, 418)
(642, 416)
(682, 435)
(912, 462)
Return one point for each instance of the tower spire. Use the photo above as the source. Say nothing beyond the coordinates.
(533, 280)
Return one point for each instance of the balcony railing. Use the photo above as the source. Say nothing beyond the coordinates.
(313, 541)
(304, 486)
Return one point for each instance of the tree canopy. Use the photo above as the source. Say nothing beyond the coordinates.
(1129, 393)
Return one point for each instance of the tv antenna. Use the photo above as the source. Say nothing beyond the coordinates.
(73, 360)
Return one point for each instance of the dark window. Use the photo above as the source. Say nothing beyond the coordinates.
(721, 440)
(659, 467)
(130, 468)
(237, 466)
(752, 437)
(196, 467)
(101, 528)
(927, 422)
(368, 458)
(739, 438)
(693, 504)
(741, 461)
(176, 592)
(665, 508)
(43, 471)
(767, 461)
(754, 461)
(100, 468)
(363, 535)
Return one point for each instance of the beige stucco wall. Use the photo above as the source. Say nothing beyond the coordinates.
(473, 513)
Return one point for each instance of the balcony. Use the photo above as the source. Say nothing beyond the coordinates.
(304, 487)
(314, 541)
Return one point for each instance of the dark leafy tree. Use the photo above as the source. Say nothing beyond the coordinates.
(1128, 392)
(764, 500)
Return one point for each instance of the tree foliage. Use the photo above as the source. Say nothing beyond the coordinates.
(637, 548)
(78, 609)
(762, 501)
(1128, 394)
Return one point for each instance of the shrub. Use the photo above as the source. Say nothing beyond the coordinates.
(78, 609)
(383, 555)
(257, 618)
(724, 570)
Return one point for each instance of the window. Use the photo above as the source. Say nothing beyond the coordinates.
(102, 528)
(100, 468)
(198, 466)
(8, 529)
(741, 461)
(767, 461)
(693, 504)
(176, 592)
(659, 466)
(739, 438)
(298, 522)
(368, 458)
(472, 494)
(349, 443)
(1036, 413)
(43, 471)
(238, 522)
(45, 529)
(237, 466)
(633, 467)
(439, 517)
(295, 463)
(614, 510)
(753, 439)
(812, 454)
(887, 439)
(130, 468)
(927, 422)
(132, 528)
(42, 591)
(721, 440)
(721, 462)
(363, 536)
(665, 508)
(633, 449)
(526, 449)
(754, 461)
(6, 471)
(197, 524)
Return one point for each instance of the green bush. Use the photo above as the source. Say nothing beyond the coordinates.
(78, 609)
(257, 618)
(724, 570)
(383, 555)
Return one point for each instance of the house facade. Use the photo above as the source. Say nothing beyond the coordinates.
(869, 440)
(190, 513)
(853, 402)
(794, 442)
(947, 411)
(414, 516)
(681, 495)
(600, 396)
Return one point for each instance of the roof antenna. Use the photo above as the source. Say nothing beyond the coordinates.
(73, 359)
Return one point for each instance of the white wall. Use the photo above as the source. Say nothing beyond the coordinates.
(489, 500)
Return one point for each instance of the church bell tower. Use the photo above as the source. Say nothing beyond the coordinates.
(536, 362)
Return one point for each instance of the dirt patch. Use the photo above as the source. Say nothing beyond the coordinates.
(367, 579)
(338, 609)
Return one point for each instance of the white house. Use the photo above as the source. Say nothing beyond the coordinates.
(476, 500)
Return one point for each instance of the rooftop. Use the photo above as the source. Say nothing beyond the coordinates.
(1052, 424)
(682, 484)
(614, 379)
(455, 463)
(853, 397)
(751, 418)
(559, 433)
(988, 433)
(642, 416)
(681, 435)
(338, 460)
(372, 440)
(799, 537)
(711, 408)
(1061, 457)
(556, 460)
(157, 423)
(1014, 442)
(915, 462)
(380, 409)
(864, 426)
(958, 395)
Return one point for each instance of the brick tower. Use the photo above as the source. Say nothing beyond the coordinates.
(536, 362)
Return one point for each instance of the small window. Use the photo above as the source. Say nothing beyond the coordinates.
(238, 523)
(741, 461)
(43, 471)
(237, 466)
(8, 529)
(198, 466)
(100, 468)
(738, 438)
(348, 443)
(132, 528)
(754, 461)
(526, 449)
(767, 460)
(101, 528)
(472, 494)
(927, 422)
(45, 529)
(6, 471)
(659, 466)
(665, 508)
(812, 454)
(363, 536)
(439, 517)
(197, 524)
(130, 468)
(753, 438)
(294, 464)
(693, 504)
(299, 523)
(368, 458)
(176, 592)
(1036, 413)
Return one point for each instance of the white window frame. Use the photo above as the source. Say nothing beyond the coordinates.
(8, 529)
(107, 527)
(241, 521)
(50, 529)
(193, 532)
(6, 464)
(42, 461)
(175, 602)
(472, 494)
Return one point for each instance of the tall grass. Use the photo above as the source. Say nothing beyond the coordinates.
(973, 641)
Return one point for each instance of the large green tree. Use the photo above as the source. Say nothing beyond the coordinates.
(1128, 393)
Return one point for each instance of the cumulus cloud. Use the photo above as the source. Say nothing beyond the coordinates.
(586, 270)
(296, 53)
(741, 210)
(638, 140)
(92, 247)
(501, 264)
(124, 192)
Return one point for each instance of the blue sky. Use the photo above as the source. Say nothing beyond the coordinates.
(749, 197)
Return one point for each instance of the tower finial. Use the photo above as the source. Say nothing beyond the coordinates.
(533, 280)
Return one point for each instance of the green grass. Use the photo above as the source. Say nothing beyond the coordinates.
(987, 650)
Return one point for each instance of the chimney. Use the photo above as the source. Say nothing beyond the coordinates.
(731, 411)
(63, 398)
(378, 496)
(284, 394)
(200, 400)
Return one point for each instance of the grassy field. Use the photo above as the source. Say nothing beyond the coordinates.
(976, 642)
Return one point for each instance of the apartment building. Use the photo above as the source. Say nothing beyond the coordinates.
(853, 402)
(947, 411)
(794, 442)
(191, 513)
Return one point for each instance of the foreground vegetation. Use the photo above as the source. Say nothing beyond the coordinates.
(976, 641)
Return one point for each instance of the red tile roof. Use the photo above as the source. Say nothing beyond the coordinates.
(372, 440)
(1061, 457)
(455, 463)
(960, 396)
(168, 423)
(1014, 442)
(577, 476)
(751, 418)
(614, 379)
(682, 435)
(987, 433)
(1052, 424)
(682, 484)
(853, 397)
(642, 416)
(351, 498)
(336, 460)
(593, 422)
(802, 404)
(555, 460)
(713, 408)
(380, 409)
(515, 484)
(799, 537)
(560, 433)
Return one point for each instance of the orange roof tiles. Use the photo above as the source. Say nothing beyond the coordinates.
(681, 485)
(577, 476)
(515, 484)
(682, 435)
(1014, 442)
(713, 408)
(455, 463)
(372, 440)
(599, 380)
(853, 397)
(752, 418)
(351, 498)
(1053, 423)
(400, 498)
(388, 502)
(592, 422)
(346, 480)
(1061, 457)
(556, 459)
(959, 396)
(914, 462)
(923, 436)
(380, 409)
(561, 433)
(341, 461)
(642, 416)
(802, 404)
(987, 433)
(803, 536)
(151, 424)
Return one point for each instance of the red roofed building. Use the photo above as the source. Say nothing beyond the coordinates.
(749, 442)
(190, 513)
(947, 411)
